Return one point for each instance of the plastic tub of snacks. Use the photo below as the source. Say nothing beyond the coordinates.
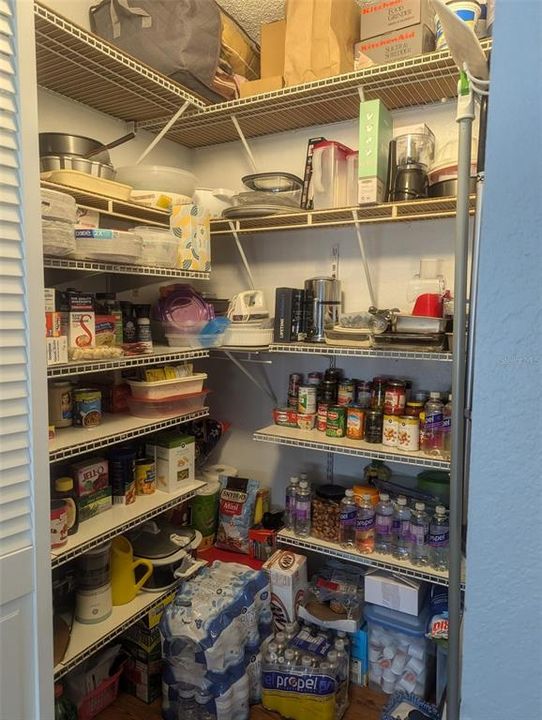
(159, 247)
(160, 389)
(168, 406)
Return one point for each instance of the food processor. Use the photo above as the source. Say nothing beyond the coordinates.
(410, 157)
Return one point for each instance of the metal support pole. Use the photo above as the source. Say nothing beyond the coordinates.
(270, 394)
(364, 258)
(465, 117)
(163, 131)
(245, 144)
(242, 254)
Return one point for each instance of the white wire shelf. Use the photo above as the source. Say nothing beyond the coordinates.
(421, 80)
(382, 562)
(73, 441)
(81, 66)
(118, 520)
(159, 355)
(122, 209)
(85, 640)
(56, 263)
(315, 440)
(409, 211)
(322, 349)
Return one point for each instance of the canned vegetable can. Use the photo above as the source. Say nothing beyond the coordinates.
(336, 421)
(355, 418)
(408, 438)
(87, 407)
(306, 401)
(145, 476)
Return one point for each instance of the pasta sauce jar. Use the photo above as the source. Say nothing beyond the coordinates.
(395, 397)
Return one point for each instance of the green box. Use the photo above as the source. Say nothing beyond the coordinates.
(95, 503)
(375, 133)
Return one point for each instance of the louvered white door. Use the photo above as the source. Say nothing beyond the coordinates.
(25, 608)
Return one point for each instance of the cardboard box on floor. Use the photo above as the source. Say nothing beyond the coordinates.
(383, 16)
(394, 46)
(320, 35)
(272, 39)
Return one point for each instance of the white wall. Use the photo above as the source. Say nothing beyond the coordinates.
(503, 622)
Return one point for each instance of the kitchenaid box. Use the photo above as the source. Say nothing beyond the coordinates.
(394, 46)
(384, 16)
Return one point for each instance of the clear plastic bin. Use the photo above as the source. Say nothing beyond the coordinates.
(159, 247)
(399, 652)
(167, 407)
(120, 246)
(161, 389)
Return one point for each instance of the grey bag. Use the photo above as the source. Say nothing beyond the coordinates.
(179, 38)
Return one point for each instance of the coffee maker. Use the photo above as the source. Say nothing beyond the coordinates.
(322, 306)
(410, 156)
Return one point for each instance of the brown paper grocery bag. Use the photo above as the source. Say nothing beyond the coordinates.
(320, 37)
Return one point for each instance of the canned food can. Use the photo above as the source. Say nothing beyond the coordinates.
(87, 407)
(408, 439)
(287, 417)
(373, 426)
(145, 476)
(321, 418)
(414, 408)
(336, 421)
(345, 392)
(390, 430)
(122, 475)
(395, 397)
(354, 423)
(305, 421)
(306, 400)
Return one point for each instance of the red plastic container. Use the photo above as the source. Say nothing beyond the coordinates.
(100, 698)
(428, 305)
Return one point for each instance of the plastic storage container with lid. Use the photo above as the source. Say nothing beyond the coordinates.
(325, 512)
(399, 652)
(120, 246)
(168, 406)
(57, 205)
(160, 389)
(159, 247)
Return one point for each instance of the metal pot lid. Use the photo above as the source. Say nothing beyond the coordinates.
(154, 541)
(273, 182)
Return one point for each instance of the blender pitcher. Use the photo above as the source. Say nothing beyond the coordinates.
(329, 175)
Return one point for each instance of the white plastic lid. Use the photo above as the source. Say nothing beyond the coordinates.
(420, 506)
(440, 510)
(434, 395)
(401, 500)
(303, 484)
(272, 647)
(306, 661)
(280, 637)
(289, 654)
(294, 480)
(384, 497)
(339, 644)
(349, 493)
(332, 656)
(303, 476)
(368, 498)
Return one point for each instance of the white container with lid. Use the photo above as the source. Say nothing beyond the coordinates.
(167, 388)
(120, 246)
(159, 247)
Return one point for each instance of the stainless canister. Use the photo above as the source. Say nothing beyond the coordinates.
(322, 306)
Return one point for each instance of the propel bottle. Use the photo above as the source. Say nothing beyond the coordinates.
(439, 536)
(348, 513)
(303, 510)
(384, 524)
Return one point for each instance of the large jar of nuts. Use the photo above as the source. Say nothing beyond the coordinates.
(325, 512)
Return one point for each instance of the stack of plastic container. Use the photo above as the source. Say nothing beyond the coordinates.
(58, 218)
(212, 635)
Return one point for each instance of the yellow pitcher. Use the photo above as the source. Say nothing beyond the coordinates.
(123, 584)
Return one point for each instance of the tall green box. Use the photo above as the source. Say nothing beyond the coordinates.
(375, 133)
(175, 457)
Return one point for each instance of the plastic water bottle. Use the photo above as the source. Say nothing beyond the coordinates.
(289, 515)
(303, 509)
(365, 525)
(401, 529)
(419, 535)
(348, 513)
(306, 662)
(431, 440)
(289, 658)
(291, 630)
(384, 524)
(342, 657)
(439, 537)
(447, 429)
(187, 702)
